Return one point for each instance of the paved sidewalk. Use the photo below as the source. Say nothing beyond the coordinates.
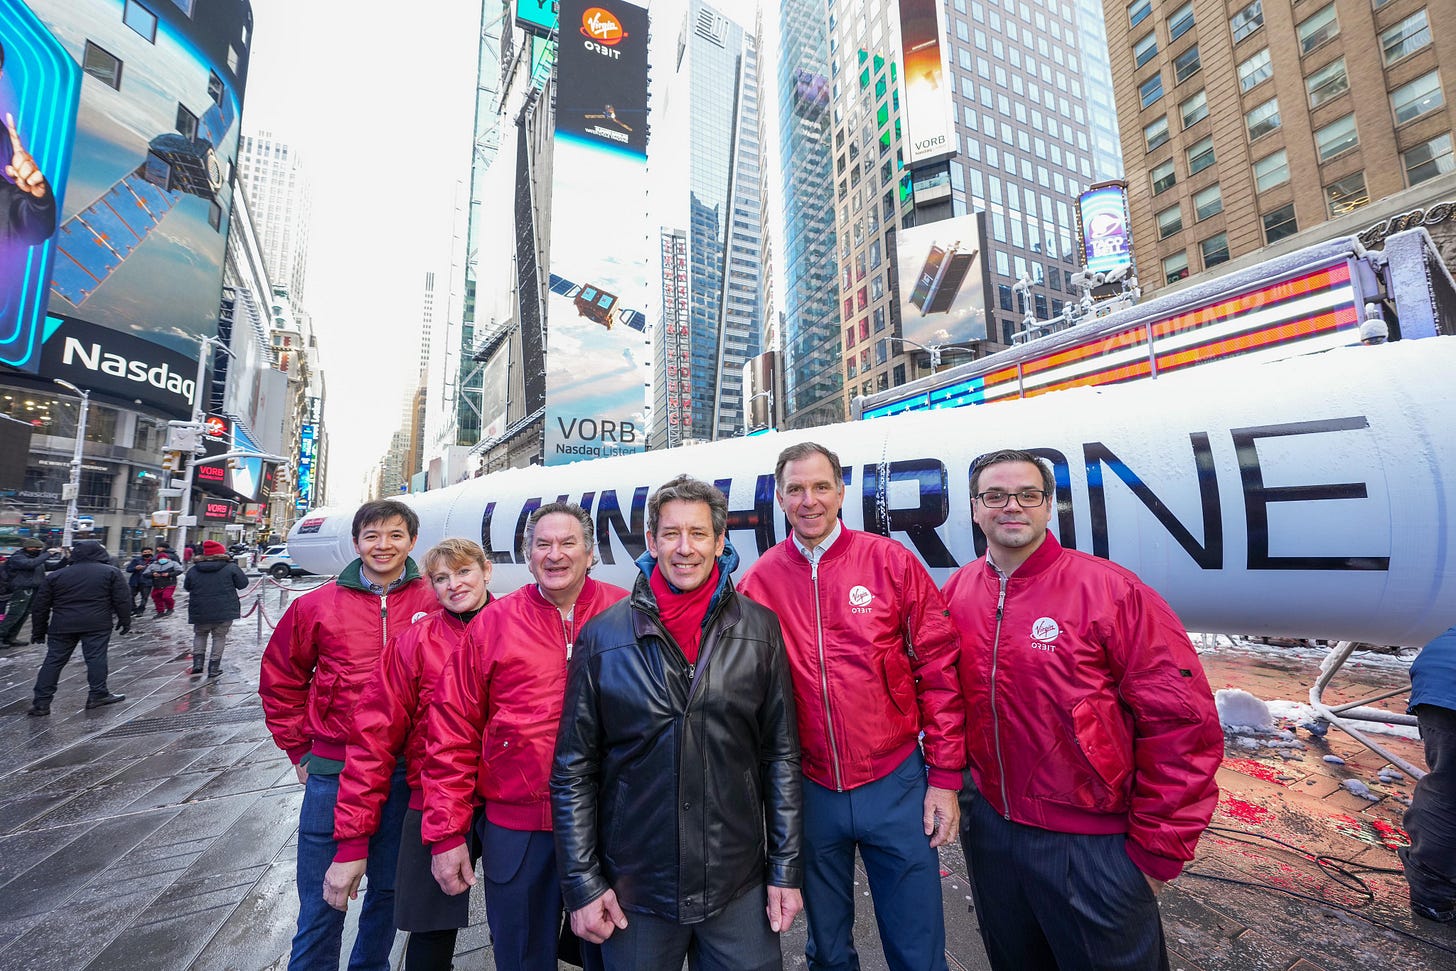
(159, 833)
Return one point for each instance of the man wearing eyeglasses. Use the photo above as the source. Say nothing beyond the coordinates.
(1092, 738)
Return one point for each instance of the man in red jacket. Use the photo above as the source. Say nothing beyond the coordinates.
(1092, 738)
(492, 733)
(316, 664)
(873, 659)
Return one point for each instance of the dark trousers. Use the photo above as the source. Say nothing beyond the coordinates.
(1430, 860)
(737, 938)
(1050, 901)
(885, 819)
(16, 613)
(59, 648)
(523, 899)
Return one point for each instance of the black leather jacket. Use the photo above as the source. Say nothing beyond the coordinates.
(677, 786)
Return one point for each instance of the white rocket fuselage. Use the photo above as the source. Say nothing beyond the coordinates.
(1310, 497)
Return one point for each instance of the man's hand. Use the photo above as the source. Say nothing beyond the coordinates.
(784, 904)
(22, 168)
(1154, 884)
(302, 772)
(341, 883)
(597, 920)
(453, 870)
(942, 816)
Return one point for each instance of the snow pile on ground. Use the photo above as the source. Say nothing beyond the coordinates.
(1358, 788)
(1334, 760)
(1240, 710)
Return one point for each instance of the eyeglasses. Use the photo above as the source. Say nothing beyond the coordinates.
(1026, 498)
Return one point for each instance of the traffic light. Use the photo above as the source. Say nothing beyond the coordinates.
(171, 461)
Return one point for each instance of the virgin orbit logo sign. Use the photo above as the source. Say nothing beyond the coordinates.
(602, 26)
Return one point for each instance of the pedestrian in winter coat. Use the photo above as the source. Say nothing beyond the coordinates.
(213, 583)
(163, 573)
(138, 581)
(1430, 860)
(24, 571)
(76, 605)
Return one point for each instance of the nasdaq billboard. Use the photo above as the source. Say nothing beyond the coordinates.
(942, 282)
(927, 107)
(142, 227)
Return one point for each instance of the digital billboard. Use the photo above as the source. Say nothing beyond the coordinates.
(536, 16)
(494, 393)
(142, 226)
(942, 281)
(1104, 228)
(307, 451)
(596, 353)
(928, 112)
(39, 87)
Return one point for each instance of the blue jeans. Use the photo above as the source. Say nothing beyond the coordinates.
(1430, 860)
(320, 927)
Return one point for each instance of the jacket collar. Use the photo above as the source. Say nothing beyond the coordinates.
(842, 542)
(1038, 562)
(644, 599)
(351, 577)
(538, 600)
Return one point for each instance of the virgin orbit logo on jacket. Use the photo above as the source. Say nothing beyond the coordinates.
(859, 599)
(1044, 633)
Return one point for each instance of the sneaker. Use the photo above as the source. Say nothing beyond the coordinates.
(106, 699)
(39, 711)
(1440, 913)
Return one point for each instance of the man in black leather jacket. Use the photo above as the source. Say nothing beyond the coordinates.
(675, 789)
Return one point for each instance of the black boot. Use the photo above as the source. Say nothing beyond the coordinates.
(214, 668)
(197, 660)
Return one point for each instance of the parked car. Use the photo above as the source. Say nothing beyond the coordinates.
(276, 562)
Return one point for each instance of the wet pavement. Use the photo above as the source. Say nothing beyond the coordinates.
(159, 833)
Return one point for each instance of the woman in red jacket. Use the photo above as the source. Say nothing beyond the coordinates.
(390, 723)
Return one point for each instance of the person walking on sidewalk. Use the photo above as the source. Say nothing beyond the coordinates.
(138, 581)
(213, 583)
(24, 570)
(76, 605)
(163, 573)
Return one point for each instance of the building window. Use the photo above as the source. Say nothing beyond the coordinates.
(1180, 21)
(1156, 134)
(1151, 89)
(1247, 20)
(102, 65)
(1186, 65)
(1215, 250)
(1317, 29)
(140, 19)
(1406, 37)
(186, 7)
(1207, 203)
(1337, 137)
(1280, 223)
(1194, 109)
(1255, 69)
(1163, 176)
(1200, 155)
(1328, 83)
(1429, 160)
(1263, 119)
(1175, 267)
(1170, 221)
(1410, 101)
(1347, 194)
(214, 88)
(1145, 49)
(186, 121)
(1138, 11)
(1271, 170)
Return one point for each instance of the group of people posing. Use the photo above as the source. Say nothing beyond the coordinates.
(678, 770)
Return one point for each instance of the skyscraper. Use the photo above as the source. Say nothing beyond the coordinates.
(275, 180)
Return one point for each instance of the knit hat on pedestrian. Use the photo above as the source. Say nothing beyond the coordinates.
(33, 544)
(213, 548)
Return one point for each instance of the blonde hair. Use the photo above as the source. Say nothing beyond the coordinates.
(455, 552)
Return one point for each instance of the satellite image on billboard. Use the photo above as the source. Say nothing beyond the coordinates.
(942, 292)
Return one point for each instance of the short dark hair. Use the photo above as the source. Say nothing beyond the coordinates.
(383, 510)
(804, 450)
(988, 459)
(685, 488)
(582, 517)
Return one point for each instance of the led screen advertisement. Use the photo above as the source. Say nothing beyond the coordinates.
(303, 501)
(596, 353)
(536, 16)
(929, 114)
(1103, 226)
(142, 229)
(942, 282)
(40, 85)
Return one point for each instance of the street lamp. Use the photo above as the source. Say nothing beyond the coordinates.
(934, 350)
(73, 490)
